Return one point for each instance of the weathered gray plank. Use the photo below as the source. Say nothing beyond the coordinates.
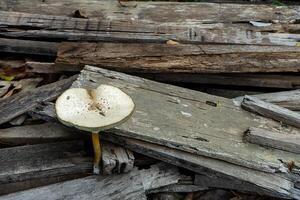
(274, 139)
(181, 58)
(146, 28)
(157, 11)
(116, 159)
(270, 110)
(28, 47)
(105, 187)
(44, 111)
(191, 121)
(18, 104)
(42, 161)
(272, 184)
(35, 134)
(287, 99)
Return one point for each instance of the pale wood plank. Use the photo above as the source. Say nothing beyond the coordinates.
(272, 111)
(274, 139)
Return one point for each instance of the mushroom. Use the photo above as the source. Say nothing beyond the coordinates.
(94, 111)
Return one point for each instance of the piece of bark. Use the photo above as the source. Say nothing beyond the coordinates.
(28, 47)
(20, 103)
(270, 110)
(116, 159)
(42, 161)
(286, 99)
(35, 134)
(105, 187)
(271, 184)
(208, 125)
(181, 58)
(273, 139)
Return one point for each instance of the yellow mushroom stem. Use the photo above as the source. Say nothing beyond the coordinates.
(97, 152)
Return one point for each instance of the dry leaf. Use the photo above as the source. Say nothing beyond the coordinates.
(172, 42)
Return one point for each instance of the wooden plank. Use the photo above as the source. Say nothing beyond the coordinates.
(18, 104)
(42, 161)
(105, 187)
(181, 58)
(191, 121)
(50, 67)
(44, 111)
(271, 184)
(28, 47)
(140, 28)
(35, 134)
(274, 139)
(287, 99)
(270, 110)
(157, 11)
(255, 80)
(116, 159)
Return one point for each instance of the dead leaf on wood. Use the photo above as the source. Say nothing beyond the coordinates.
(172, 42)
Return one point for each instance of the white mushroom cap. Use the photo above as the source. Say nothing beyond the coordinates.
(94, 110)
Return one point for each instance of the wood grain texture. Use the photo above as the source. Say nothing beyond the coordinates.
(287, 99)
(42, 161)
(116, 159)
(270, 110)
(18, 104)
(157, 11)
(28, 47)
(184, 119)
(181, 58)
(277, 140)
(105, 187)
(278, 80)
(271, 184)
(35, 134)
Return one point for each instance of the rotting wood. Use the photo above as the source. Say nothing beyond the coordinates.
(28, 47)
(116, 159)
(202, 126)
(35, 134)
(252, 180)
(274, 139)
(18, 104)
(41, 161)
(181, 58)
(270, 110)
(287, 99)
(112, 187)
(25, 25)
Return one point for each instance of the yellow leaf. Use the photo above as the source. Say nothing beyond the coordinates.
(172, 42)
(6, 78)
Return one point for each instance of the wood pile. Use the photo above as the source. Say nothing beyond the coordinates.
(215, 85)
